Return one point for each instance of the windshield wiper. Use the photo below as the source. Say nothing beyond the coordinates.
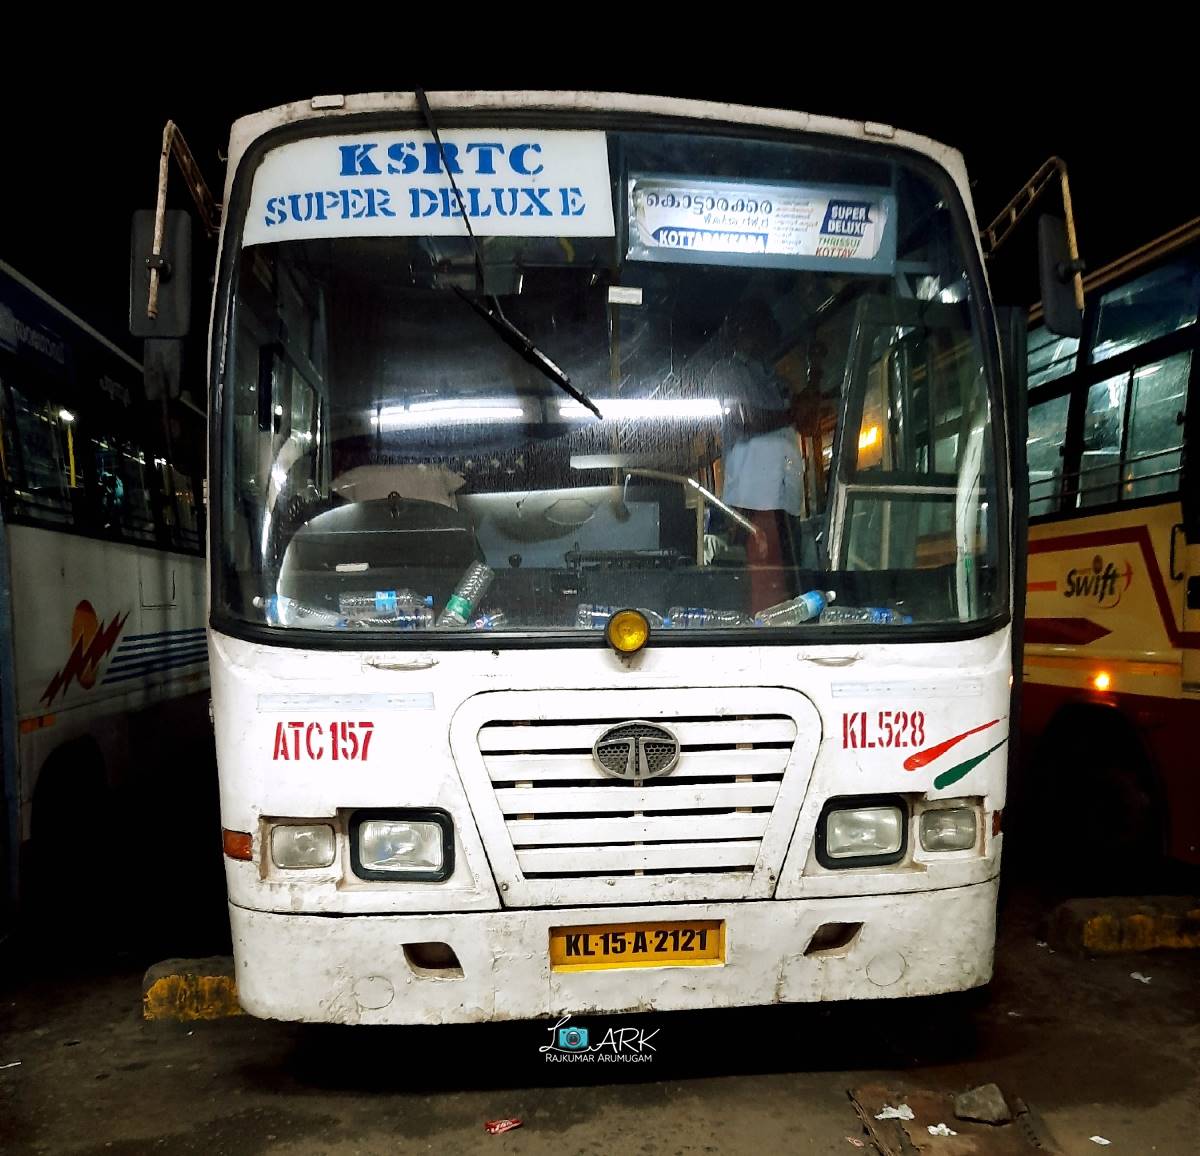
(492, 313)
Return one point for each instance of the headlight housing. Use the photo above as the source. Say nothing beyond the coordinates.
(402, 844)
(949, 829)
(862, 831)
(302, 846)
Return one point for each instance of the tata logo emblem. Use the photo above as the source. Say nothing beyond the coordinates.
(635, 751)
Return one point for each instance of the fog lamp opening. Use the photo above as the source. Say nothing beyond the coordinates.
(433, 960)
(831, 938)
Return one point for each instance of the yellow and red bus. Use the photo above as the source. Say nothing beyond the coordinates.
(1112, 636)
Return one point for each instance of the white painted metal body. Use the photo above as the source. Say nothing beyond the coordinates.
(65, 589)
(934, 911)
(324, 945)
(157, 596)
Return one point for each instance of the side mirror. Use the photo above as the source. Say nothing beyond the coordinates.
(1056, 275)
(175, 275)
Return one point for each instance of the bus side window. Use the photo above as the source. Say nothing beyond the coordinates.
(125, 505)
(1133, 436)
(1154, 455)
(180, 499)
(1158, 302)
(40, 457)
(1043, 450)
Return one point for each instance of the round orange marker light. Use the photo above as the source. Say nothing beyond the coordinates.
(627, 631)
(1102, 681)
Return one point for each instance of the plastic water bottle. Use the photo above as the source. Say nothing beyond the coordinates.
(414, 618)
(460, 606)
(280, 610)
(693, 617)
(381, 603)
(490, 620)
(870, 615)
(795, 610)
(592, 616)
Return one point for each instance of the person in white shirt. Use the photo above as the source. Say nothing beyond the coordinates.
(763, 468)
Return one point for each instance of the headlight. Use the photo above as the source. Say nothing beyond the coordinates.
(402, 845)
(948, 829)
(310, 845)
(869, 834)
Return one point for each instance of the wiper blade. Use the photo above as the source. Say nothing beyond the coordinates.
(492, 313)
(512, 336)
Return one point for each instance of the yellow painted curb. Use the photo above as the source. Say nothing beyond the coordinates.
(188, 990)
(1141, 931)
(1125, 924)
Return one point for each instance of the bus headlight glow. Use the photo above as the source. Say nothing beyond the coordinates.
(301, 846)
(865, 835)
(403, 845)
(948, 829)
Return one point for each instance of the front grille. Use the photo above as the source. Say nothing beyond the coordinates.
(564, 820)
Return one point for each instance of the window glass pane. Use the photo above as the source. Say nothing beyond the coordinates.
(177, 484)
(44, 443)
(1049, 356)
(1047, 431)
(125, 504)
(1152, 459)
(924, 425)
(1158, 303)
(909, 534)
(1100, 467)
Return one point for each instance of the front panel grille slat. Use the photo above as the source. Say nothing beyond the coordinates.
(635, 829)
(619, 797)
(708, 764)
(656, 856)
(500, 737)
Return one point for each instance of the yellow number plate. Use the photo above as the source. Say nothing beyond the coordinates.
(606, 945)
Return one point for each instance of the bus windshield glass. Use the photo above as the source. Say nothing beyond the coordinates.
(782, 341)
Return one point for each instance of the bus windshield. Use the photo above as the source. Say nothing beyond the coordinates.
(782, 341)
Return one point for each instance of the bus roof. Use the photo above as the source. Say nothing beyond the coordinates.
(1135, 260)
(63, 311)
(248, 128)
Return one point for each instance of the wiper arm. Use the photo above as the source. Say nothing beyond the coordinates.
(512, 336)
(492, 313)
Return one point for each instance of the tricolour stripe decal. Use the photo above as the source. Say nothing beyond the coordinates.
(925, 757)
(957, 772)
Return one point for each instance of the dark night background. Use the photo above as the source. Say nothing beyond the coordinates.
(81, 145)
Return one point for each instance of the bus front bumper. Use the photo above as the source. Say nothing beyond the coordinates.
(354, 969)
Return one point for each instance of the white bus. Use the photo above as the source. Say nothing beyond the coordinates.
(101, 584)
(611, 605)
